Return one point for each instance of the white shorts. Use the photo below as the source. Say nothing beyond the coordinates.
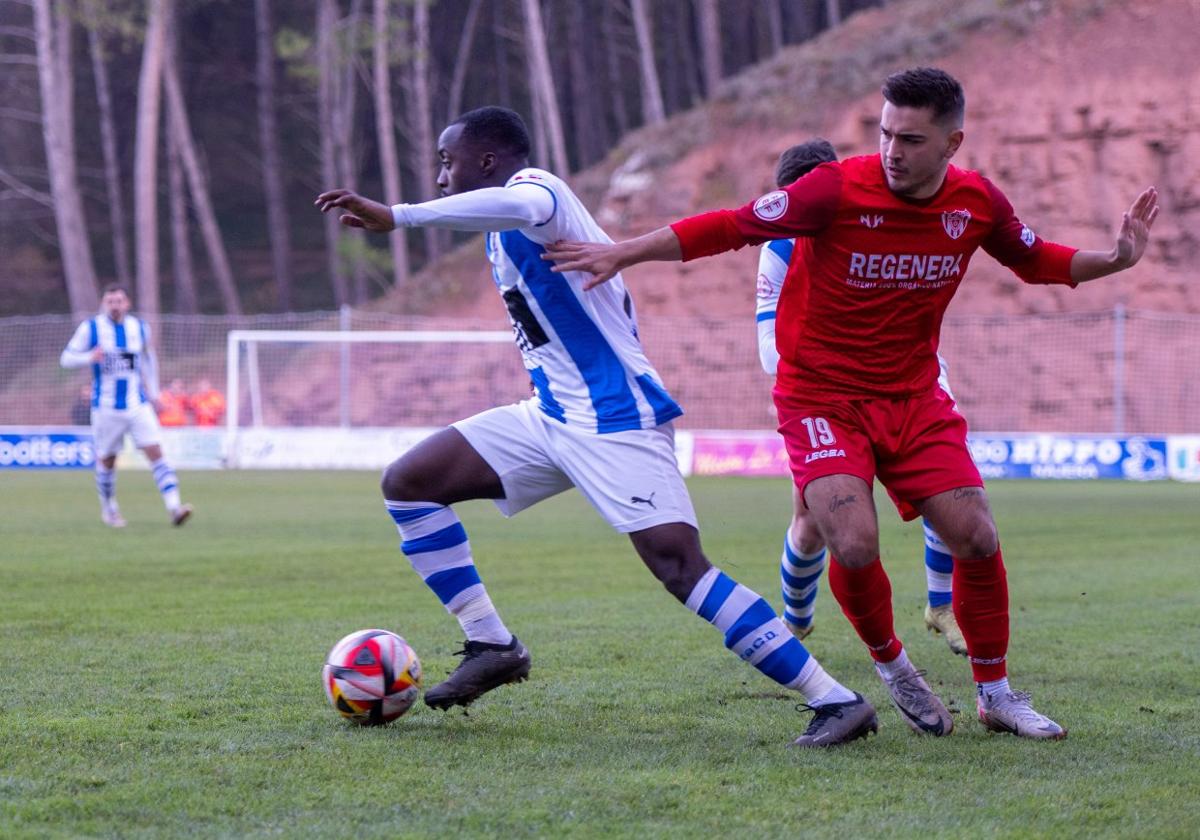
(631, 478)
(110, 427)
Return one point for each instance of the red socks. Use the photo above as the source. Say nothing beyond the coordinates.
(981, 607)
(865, 596)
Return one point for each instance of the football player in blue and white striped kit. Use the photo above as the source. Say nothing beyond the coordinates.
(124, 387)
(803, 557)
(600, 421)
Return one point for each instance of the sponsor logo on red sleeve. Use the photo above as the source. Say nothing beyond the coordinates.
(771, 206)
(1027, 236)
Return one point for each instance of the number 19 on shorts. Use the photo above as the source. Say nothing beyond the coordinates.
(819, 433)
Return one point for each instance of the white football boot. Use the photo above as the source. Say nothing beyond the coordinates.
(1011, 711)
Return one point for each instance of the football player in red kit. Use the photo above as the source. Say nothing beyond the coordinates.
(891, 236)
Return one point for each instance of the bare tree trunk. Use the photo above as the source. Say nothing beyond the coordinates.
(345, 103)
(652, 102)
(420, 116)
(182, 264)
(58, 132)
(462, 60)
(186, 300)
(710, 44)
(683, 83)
(541, 146)
(542, 81)
(198, 188)
(145, 160)
(326, 20)
(833, 13)
(770, 23)
(272, 166)
(503, 93)
(112, 164)
(615, 80)
(389, 162)
(586, 122)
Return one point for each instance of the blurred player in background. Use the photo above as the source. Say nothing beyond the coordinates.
(124, 385)
(803, 557)
(600, 421)
(891, 237)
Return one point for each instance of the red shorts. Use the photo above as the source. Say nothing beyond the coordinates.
(916, 446)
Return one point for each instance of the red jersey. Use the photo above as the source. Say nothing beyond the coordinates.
(860, 313)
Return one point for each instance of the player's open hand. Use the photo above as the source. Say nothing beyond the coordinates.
(1135, 228)
(596, 258)
(360, 212)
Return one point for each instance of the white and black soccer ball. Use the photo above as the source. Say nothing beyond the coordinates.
(372, 677)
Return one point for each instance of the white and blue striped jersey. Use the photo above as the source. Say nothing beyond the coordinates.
(773, 260)
(124, 379)
(581, 348)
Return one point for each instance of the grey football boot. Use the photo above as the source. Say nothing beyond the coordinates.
(484, 666)
(923, 710)
(838, 723)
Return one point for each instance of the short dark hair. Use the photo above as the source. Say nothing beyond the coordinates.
(115, 287)
(802, 158)
(927, 87)
(498, 128)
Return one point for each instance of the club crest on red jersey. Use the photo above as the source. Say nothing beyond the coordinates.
(955, 222)
(771, 206)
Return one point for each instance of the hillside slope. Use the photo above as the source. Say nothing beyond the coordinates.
(1072, 107)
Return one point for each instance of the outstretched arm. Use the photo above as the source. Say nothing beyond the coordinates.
(604, 261)
(489, 208)
(803, 208)
(360, 212)
(1130, 245)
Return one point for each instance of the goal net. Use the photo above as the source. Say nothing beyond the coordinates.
(332, 398)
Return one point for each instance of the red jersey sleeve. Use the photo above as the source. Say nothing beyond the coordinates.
(1013, 244)
(803, 208)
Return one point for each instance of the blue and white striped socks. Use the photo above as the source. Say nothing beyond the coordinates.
(799, 573)
(106, 486)
(756, 634)
(168, 483)
(435, 542)
(939, 568)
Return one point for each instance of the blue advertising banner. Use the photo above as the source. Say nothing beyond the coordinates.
(46, 449)
(1069, 456)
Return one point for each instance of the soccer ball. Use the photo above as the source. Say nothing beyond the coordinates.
(372, 677)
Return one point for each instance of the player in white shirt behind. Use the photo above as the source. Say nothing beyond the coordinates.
(124, 387)
(803, 558)
(600, 421)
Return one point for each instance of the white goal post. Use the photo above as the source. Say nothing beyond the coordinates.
(304, 360)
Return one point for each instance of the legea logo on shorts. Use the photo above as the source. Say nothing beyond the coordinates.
(771, 206)
(824, 453)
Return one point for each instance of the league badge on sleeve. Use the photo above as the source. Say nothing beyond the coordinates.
(771, 206)
(955, 222)
(765, 288)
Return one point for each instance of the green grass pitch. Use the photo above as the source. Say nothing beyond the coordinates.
(163, 683)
